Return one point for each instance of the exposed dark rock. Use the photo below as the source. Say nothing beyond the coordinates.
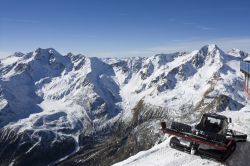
(28, 148)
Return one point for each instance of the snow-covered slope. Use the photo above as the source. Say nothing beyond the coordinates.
(49, 102)
(45, 94)
(163, 155)
(47, 83)
(169, 80)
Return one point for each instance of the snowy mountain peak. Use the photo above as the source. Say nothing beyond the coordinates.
(238, 53)
(18, 54)
(210, 49)
(208, 53)
(45, 52)
(213, 46)
(236, 50)
(51, 57)
(164, 58)
(74, 57)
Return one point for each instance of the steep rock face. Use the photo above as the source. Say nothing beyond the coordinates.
(126, 139)
(33, 148)
(50, 102)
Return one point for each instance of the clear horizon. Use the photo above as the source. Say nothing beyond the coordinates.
(119, 28)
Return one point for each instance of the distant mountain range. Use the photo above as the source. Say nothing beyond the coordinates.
(66, 109)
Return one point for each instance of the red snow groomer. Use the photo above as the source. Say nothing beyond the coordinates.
(211, 138)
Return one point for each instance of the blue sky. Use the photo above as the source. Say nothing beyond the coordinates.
(123, 27)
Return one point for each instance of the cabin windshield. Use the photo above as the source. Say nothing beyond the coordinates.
(213, 121)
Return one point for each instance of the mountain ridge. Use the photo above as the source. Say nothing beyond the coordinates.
(51, 99)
